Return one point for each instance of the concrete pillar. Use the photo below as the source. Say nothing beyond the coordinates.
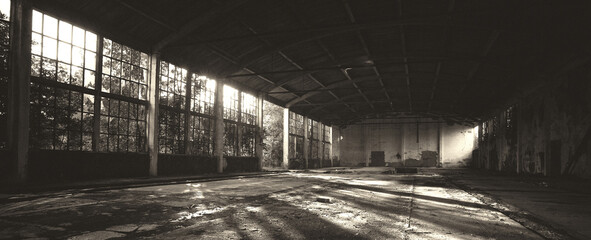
(321, 143)
(440, 144)
(286, 138)
(219, 126)
(516, 125)
(189, 93)
(259, 132)
(306, 143)
(153, 107)
(330, 148)
(402, 143)
(239, 127)
(19, 85)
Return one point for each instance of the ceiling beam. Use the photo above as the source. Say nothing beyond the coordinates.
(404, 54)
(192, 25)
(366, 50)
(316, 31)
(291, 61)
(485, 51)
(446, 44)
(214, 49)
(255, 56)
(437, 72)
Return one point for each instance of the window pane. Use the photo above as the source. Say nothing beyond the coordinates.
(65, 32)
(49, 26)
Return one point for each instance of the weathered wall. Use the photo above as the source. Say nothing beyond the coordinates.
(552, 131)
(336, 145)
(420, 144)
(458, 142)
(407, 144)
(56, 166)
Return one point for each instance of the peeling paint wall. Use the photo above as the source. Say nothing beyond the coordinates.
(406, 143)
(552, 131)
(458, 144)
(336, 145)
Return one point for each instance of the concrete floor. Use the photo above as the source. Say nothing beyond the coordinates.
(365, 203)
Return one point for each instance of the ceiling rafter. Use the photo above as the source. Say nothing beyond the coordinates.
(446, 45)
(254, 56)
(292, 62)
(216, 50)
(487, 47)
(404, 54)
(192, 25)
(366, 50)
(432, 20)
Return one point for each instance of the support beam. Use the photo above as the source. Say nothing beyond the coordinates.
(306, 144)
(192, 25)
(153, 111)
(19, 85)
(330, 149)
(260, 132)
(487, 47)
(285, 138)
(279, 84)
(439, 145)
(367, 53)
(219, 125)
(404, 54)
(319, 32)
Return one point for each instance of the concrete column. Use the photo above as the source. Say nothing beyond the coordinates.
(321, 143)
(219, 125)
(440, 144)
(19, 88)
(286, 138)
(306, 143)
(516, 124)
(402, 143)
(189, 92)
(153, 107)
(239, 127)
(330, 148)
(259, 133)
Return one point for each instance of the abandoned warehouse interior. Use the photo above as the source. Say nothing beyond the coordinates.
(130, 89)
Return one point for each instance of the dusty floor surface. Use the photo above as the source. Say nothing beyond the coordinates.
(362, 205)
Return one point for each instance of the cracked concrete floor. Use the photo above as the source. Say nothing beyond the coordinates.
(362, 205)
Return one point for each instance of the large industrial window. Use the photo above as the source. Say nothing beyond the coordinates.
(326, 142)
(4, 70)
(201, 123)
(201, 135)
(248, 109)
(230, 103)
(296, 136)
(230, 121)
(125, 71)
(62, 52)
(248, 117)
(173, 85)
(123, 126)
(230, 139)
(123, 114)
(63, 63)
(247, 140)
(314, 140)
(61, 119)
(203, 94)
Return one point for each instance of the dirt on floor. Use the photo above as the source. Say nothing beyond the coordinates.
(367, 203)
